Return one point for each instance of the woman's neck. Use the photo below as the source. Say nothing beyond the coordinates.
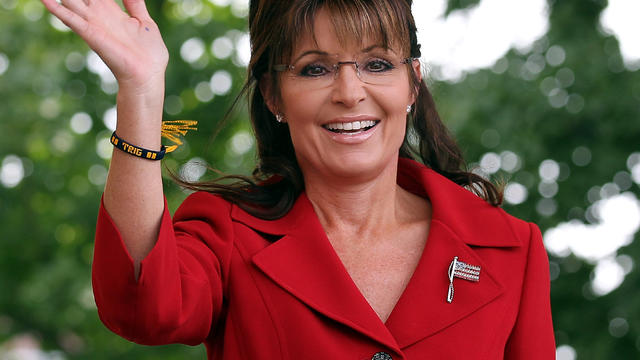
(365, 208)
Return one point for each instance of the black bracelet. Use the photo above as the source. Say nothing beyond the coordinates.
(135, 150)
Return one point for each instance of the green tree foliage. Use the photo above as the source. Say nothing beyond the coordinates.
(592, 108)
(530, 103)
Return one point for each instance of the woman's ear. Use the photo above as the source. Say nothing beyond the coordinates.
(266, 90)
(417, 71)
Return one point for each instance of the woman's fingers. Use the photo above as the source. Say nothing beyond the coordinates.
(67, 16)
(137, 9)
(130, 44)
(79, 7)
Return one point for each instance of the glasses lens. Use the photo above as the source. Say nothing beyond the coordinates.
(315, 71)
(379, 70)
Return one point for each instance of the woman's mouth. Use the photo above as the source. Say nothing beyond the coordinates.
(352, 127)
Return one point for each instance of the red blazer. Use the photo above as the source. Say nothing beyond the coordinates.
(256, 289)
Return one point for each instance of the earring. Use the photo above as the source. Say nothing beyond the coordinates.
(279, 117)
(409, 108)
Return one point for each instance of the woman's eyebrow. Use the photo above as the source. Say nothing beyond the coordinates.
(310, 52)
(374, 46)
(324, 53)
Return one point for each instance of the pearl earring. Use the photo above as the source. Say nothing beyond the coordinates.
(279, 117)
(409, 107)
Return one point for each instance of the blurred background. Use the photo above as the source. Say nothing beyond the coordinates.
(542, 95)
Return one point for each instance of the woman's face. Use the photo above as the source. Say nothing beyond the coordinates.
(342, 126)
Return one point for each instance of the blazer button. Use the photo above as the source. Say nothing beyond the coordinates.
(381, 356)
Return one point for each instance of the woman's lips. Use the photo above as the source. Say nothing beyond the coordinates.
(351, 131)
(351, 127)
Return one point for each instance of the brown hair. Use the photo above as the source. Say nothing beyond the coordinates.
(274, 27)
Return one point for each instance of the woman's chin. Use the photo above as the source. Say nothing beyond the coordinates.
(354, 166)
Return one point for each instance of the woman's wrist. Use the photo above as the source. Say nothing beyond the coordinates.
(140, 111)
(142, 99)
(149, 91)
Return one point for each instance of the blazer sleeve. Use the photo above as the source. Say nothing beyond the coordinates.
(178, 295)
(532, 336)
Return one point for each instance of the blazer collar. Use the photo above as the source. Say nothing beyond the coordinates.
(472, 219)
(304, 263)
(468, 216)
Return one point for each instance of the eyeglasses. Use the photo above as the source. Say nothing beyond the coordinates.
(320, 70)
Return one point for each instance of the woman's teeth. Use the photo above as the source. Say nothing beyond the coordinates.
(354, 126)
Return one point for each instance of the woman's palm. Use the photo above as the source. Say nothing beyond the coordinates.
(130, 44)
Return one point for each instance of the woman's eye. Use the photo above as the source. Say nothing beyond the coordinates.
(314, 70)
(377, 65)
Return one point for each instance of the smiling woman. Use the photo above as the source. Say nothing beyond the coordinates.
(376, 33)
(346, 117)
(350, 241)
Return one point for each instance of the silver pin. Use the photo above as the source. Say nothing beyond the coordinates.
(459, 269)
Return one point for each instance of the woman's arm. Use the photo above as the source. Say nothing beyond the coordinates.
(132, 47)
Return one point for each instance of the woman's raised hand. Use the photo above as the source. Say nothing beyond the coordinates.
(130, 44)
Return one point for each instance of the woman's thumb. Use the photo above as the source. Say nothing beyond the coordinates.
(137, 9)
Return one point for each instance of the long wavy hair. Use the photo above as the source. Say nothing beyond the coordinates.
(274, 27)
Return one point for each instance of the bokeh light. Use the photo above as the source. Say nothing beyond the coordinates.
(203, 92)
(515, 193)
(192, 49)
(49, 107)
(33, 10)
(549, 170)
(4, 63)
(75, 61)
(12, 171)
(81, 123)
(97, 175)
(607, 276)
(243, 50)
(104, 149)
(221, 82)
(490, 163)
(565, 352)
(555, 55)
(241, 142)
(509, 161)
(618, 327)
(173, 104)
(193, 169)
(62, 142)
(222, 47)
(581, 156)
(220, 2)
(110, 118)
(633, 164)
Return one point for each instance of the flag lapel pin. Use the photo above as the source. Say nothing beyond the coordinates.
(461, 270)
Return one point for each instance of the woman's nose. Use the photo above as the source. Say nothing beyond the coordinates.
(348, 89)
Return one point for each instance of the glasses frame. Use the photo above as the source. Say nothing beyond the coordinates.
(337, 65)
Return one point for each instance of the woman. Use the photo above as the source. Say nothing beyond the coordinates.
(341, 246)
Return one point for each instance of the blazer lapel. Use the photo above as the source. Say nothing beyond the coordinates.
(460, 222)
(423, 310)
(304, 263)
